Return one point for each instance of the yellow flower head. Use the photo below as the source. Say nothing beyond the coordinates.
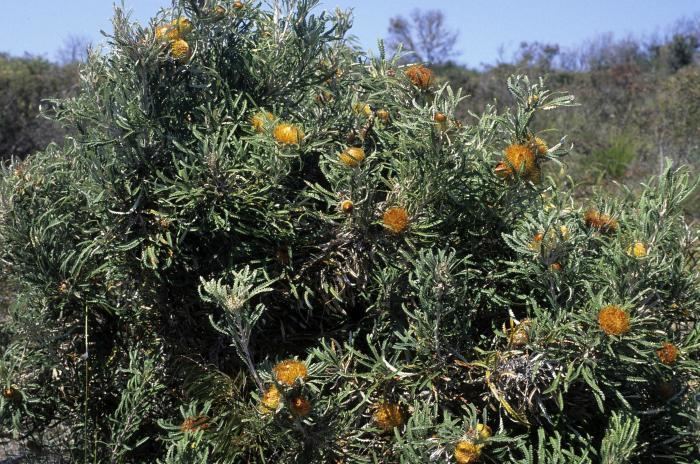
(270, 399)
(601, 221)
(176, 30)
(194, 423)
(383, 115)
(395, 219)
(362, 108)
(519, 159)
(637, 250)
(467, 452)
(288, 134)
(388, 415)
(420, 76)
(614, 320)
(300, 406)
(352, 156)
(261, 120)
(539, 146)
(347, 206)
(668, 353)
(180, 51)
(287, 372)
(483, 431)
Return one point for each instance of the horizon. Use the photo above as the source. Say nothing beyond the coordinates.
(479, 42)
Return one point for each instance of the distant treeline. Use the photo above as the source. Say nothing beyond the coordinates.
(25, 83)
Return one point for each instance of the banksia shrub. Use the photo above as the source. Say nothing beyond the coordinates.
(220, 267)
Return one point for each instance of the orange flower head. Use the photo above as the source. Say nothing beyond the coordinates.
(536, 242)
(238, 5)
(288, 134)
(614, 320)
(383, 115)
(668, 353)
(600, 221)
(388, 415)
(555, 267)
(519, 159)
(420, 76)
(300, 406)
(11, 393)
(440, 117)
(352, 156)
(219, 12)
(395, 219)
(347, 206)
(289, 371)
(180, 51)
(270, 399)
(261, 120)
(467, 452)
(194, 423)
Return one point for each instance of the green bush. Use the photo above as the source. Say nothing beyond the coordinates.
(264, 246)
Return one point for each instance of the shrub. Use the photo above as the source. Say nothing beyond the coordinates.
(194, 286)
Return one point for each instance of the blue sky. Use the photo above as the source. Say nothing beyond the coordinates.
(41, 26)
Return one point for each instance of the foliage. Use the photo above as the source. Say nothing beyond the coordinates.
(195, 286)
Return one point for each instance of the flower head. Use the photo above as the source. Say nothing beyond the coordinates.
(194, 423)
(261, 120)
(352, 156)
(519, 335)
(637, 250)
(467, 452)
(601, 221)
(300, 406)
(519, 159)
(180, 51)
(287, 372)
(613, 320)
(420, 76)
(362, 108)
(395, 219)
(219, 12)
(288, 134)
(388, 415)
(178, 29)
(383, 115)
(668, 353)
(11, 393)
(483, 431)
(539, 146)
(270, 399)
(347, 206)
